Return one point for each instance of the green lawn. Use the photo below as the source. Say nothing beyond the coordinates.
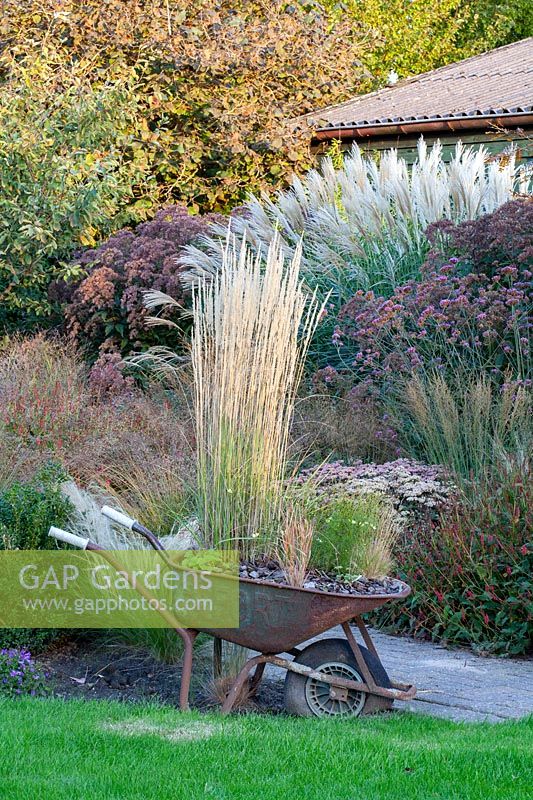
(54, 750)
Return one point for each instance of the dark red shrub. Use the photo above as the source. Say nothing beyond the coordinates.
(471, 574)
(104, 311)
(484, 245)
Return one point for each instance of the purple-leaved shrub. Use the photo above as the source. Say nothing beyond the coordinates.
(494, 240)
(104, 311)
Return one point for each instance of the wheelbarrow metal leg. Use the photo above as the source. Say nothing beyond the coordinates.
(366, 637)
(356, 650)
(398, 691)
(188, 637)
(240, 680)
(217, 657)
(256, 678)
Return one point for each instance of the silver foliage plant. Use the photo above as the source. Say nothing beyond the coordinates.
(87, 520)
(363, 224)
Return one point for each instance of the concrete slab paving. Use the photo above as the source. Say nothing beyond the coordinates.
(454, 684)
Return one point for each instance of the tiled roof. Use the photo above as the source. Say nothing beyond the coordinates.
(494, 83)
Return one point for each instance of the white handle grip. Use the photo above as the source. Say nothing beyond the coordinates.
(68, 538)
(118, 517)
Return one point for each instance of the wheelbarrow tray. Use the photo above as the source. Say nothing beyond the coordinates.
(275, 618)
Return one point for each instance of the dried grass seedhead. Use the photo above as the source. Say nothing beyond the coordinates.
(43, 392)
(141, 435)
(217, 689)
(293, 549)
(227, 660)
(326, 426)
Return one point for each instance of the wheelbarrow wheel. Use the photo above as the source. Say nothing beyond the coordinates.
(308, 697)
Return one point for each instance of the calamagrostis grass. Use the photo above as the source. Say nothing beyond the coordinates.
(470, 427)
(253, 323)
(372, 554)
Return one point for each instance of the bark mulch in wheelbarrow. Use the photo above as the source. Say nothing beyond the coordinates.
(270, 572)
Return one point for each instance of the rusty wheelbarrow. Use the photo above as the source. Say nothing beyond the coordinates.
(332, 676)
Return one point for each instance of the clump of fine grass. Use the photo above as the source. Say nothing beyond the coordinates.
(468, 428)
(226, 660)
(152, 491)
(43, 392)
(253, 323)
(163, 643)
(216, 689)
(372, 554)
(294, 544)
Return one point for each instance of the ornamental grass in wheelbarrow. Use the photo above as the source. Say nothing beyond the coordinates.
(305, 567)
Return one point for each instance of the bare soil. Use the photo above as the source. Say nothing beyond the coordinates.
(89, 667)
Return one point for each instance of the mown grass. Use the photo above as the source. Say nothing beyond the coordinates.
(55, 750)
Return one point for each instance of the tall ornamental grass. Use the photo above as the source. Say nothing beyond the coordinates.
(363, 224)
(253, 322)
(472, 428)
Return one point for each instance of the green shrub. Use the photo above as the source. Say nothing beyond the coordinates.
(67, 177)
(33, 639)
(28, 509)
(26, 512)
(354, 536)
(418, 36)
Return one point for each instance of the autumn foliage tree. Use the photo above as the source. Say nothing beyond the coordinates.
(216, 80)
(417, 36)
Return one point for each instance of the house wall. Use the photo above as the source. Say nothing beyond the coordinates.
(495, 143)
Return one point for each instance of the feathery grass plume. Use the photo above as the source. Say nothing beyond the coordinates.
(363, 224)
(253, 323)
(87, 520)
(469, 428)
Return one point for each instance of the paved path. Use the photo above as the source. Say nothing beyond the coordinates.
(454, 684)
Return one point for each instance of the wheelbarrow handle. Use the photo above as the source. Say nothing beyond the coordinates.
(117, 516)
(132, 525)
(68, 538)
